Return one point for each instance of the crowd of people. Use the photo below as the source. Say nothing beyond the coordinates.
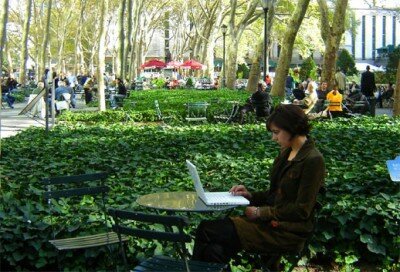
(320, 99)
(316, 98)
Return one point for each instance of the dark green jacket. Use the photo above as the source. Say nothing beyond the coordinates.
(289, 201)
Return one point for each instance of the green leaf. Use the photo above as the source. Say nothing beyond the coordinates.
(366, 238)
(350, 259)
(375, 248)
(18, 255)
(342, 219)
(41, 262)
(349, 175)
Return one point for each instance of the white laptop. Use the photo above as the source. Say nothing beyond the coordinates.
(214, 198)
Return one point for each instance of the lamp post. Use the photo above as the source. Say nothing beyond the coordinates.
(224, 29)
(266, 4)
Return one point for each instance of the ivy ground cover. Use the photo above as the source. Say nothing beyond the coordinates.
(359, 221)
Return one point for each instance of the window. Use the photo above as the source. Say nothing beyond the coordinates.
(373, 36)
(363, 38)
(394, 31)
(384, 31)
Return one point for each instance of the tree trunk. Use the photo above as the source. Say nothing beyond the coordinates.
(38, 23)
(137, 10)
(3, 38)
(128, 40)
(24, 44)
(231, 63)
(102, 55)
(210, 58)
(3, 30)
(61, 40)
(45, 39)
(78, 54)
(10, 67)
(255, 69)
(331, 34)
(278, 88)
(121, 39)
(396, 105)
(235, 31)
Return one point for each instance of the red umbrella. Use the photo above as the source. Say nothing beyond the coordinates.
(192, 64)
(174, 64)
(152, 64)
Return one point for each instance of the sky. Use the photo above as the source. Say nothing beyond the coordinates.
(380, 3)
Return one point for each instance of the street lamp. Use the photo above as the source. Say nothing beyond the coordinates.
(224, 29)
(190, 53)
(266, 4)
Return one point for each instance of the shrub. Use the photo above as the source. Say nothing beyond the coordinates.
(189, 83)
(346, 63)
(308, 69)
(243, 71)
(359, 220)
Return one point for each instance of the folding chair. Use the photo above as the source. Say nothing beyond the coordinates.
(73, 196)
(133, 224)
(160, 116)
(196, 111)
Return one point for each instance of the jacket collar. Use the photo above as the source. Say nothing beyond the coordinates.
(303, 152)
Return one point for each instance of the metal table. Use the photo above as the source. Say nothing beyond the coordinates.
(179, 202)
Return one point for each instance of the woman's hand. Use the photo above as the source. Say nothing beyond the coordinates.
(252, 212)
(240, 190)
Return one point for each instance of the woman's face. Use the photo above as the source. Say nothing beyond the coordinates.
(282, 137)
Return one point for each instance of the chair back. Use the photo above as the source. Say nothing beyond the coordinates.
(73, 189)
(167, 234)
(138, 225)
(158, 111)
(196, 111)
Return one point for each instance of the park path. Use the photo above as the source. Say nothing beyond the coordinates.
(11, 123)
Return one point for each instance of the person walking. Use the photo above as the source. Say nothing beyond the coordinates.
(368, 88)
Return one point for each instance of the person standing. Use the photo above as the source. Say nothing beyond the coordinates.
(368, 88)
(279, 217)
(289, 84)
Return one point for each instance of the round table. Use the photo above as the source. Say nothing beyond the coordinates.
(179, 202)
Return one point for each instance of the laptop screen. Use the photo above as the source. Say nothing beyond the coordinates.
(196, 179)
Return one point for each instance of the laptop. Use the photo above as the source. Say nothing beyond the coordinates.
(214, 198)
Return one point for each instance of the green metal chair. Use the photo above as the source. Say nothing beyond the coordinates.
(161, 228)
(69, 192)
(196, 111)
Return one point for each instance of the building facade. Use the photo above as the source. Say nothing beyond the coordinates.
(376, 28)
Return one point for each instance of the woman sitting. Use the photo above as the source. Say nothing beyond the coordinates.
(309, 101)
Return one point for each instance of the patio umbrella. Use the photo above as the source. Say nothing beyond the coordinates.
(173, 64)
(192, 64)
(153, 64)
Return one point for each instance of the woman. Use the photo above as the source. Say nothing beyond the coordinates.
(310, 99)
(280, 217)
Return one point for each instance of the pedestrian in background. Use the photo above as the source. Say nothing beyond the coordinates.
(368, 88)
